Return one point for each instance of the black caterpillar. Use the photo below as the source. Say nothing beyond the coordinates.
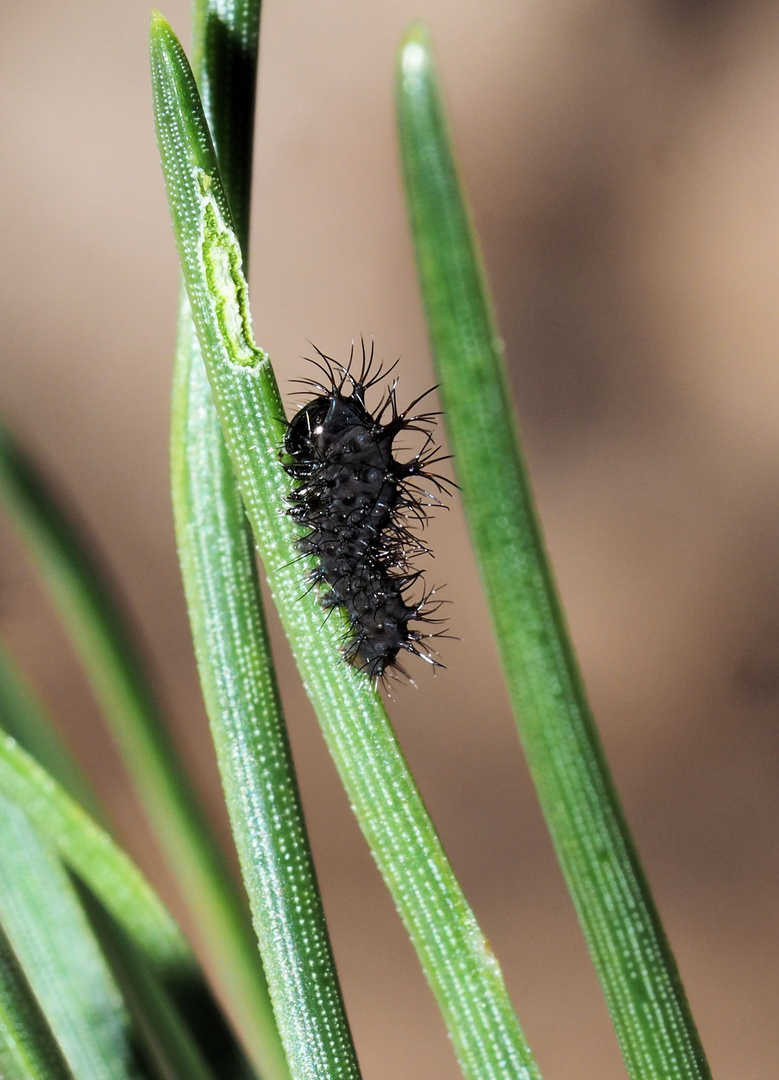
(361, 505)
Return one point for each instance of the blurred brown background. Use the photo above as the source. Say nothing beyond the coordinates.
(623, 163)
